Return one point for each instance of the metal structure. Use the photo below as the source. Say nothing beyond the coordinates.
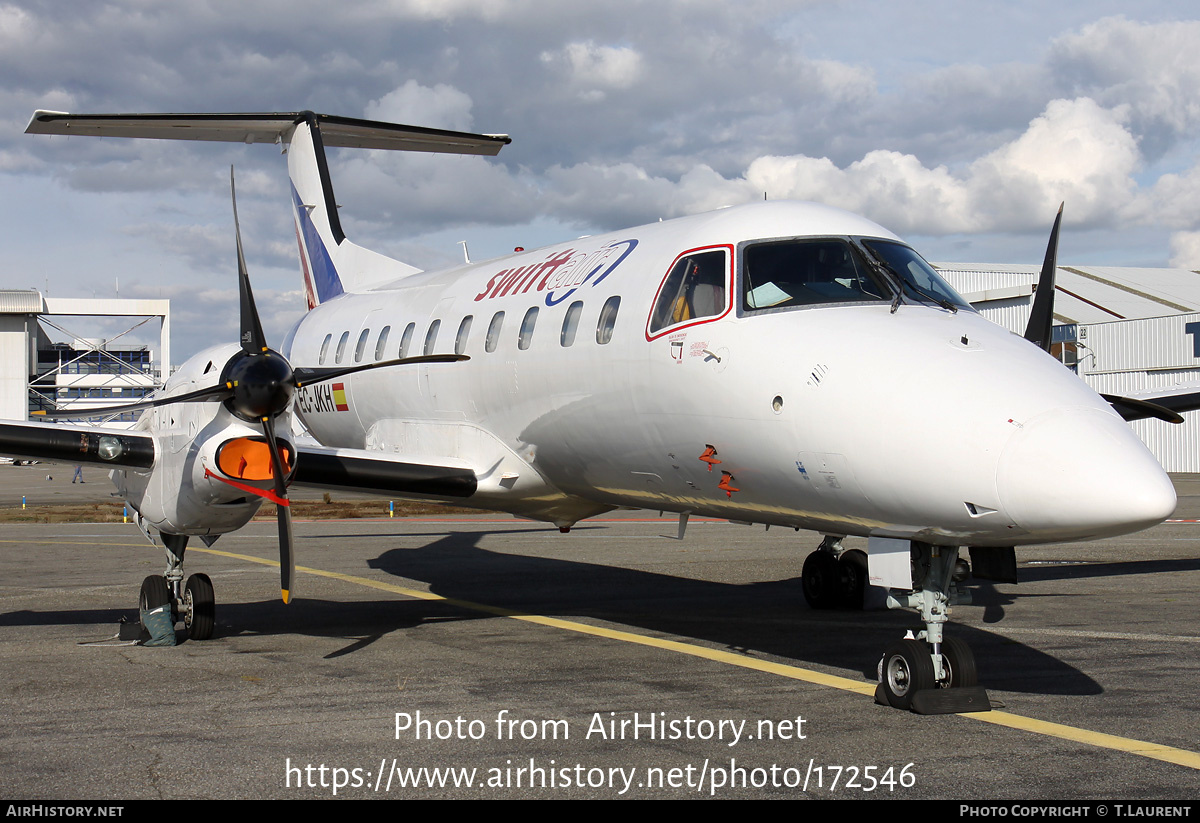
(53, 357)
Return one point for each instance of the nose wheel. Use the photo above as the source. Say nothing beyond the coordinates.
(905, 669)
(193, 603)
(199, 607)
(958, 664)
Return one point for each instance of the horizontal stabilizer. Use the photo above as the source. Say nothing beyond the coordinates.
(267, 127)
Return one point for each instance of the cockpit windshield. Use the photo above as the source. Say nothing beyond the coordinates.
(917, 274)
(783, 274)
(805, 272)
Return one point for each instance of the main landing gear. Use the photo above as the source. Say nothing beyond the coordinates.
(929, 673)
(834, 577)
(194, 603)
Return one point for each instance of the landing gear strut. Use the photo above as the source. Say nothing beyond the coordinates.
(931, 673)
(194, 603)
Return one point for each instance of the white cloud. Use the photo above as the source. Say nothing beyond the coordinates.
(617, 67)
(1074, 151)
(1185, 250)
(1175, 199)
(442, 107)
(1151, 67)
(594, 71)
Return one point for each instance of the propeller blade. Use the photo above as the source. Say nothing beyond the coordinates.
(1041, 319)
(306, 376)
(212, 393)
(253, 340)
(1131, 409)
(287, 559)
(283, 513)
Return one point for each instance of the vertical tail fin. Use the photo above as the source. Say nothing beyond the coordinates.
(314, 209)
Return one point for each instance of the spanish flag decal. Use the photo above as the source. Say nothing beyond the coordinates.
(339, 397)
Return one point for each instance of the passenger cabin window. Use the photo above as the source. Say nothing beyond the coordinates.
(362, 345)
(406, 339)
(381, 343)
(341, 348)
(807, 272)
(695, 288)
(464, 331)
(324, 349)
(493, 333)
(608, 319)
(526, 336)
(570, 324)
(431, 336)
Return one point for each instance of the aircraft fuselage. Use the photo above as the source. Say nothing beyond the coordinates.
(844, 417)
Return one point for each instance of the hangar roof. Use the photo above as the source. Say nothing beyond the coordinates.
(1085, 294)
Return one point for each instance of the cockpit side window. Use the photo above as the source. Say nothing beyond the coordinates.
(918, 274)
(695, 289)
(807, 272)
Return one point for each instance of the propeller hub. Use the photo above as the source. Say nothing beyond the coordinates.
(262, 384)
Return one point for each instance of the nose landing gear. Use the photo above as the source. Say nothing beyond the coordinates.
(193, 603)
(931, 673)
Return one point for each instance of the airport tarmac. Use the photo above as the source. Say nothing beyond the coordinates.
(614, 661)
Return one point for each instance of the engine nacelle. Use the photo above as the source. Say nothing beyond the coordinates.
(212, 470)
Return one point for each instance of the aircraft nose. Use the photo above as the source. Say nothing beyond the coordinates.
(1081, 473)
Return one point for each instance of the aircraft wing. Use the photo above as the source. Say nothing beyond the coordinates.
(371, 471)
(1142, 405)
(76, 444)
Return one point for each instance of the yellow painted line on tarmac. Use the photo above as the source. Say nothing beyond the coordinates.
(1169, 754)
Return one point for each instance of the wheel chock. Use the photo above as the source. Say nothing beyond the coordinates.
(959, 700)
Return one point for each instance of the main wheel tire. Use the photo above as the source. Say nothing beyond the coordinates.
(155, 593)
(853, 567)
(959, 661)
(199, 607)
(906, 669)
(822, 580)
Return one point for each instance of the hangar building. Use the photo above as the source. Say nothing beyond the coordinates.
(84, 368)
(1123, 330)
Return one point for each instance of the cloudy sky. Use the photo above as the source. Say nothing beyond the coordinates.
(958, 125)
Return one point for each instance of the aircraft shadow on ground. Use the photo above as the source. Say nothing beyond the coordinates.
(766, 618)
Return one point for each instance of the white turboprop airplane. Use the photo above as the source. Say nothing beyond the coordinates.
(780, 363)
